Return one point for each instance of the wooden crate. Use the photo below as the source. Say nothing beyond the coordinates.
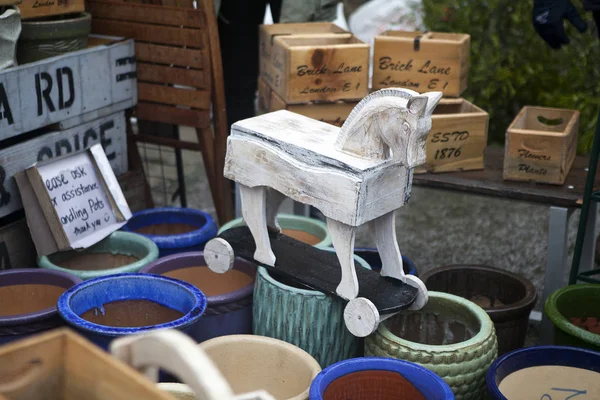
(16, 247)
(62, 365)
(458, 137)
(68, 87)
(541, 144)
(334, 113)
(110, 131)
(46, 8)
(422, 62)
(324, 68)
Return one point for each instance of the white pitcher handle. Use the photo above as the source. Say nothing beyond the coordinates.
(179, 355)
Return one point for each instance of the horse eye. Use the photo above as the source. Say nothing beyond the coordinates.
(406, 127)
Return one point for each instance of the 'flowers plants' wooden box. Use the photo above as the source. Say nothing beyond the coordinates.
(541, 144)
(334, 113)
(458, 137)
(324, 68)
(422, 61)
(61, 365)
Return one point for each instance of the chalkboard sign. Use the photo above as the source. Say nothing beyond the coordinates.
(77, 196)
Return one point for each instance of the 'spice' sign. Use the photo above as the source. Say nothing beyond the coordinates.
(78, 197)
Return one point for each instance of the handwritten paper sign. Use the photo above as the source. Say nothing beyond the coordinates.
(79, 198)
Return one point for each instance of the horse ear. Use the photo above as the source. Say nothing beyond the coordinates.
(434, 99)
(417, 104)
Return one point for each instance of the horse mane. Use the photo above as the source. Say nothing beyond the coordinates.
(359, 109)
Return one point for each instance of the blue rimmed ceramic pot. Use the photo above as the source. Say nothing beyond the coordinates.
(104, 308)
(28, 300)
(378, 378)
(372, 257)
(546, 373)
(174, 230)
(228, 295)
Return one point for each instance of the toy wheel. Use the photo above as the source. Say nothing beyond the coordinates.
(422, 296)
(361, 317)
(219, 255)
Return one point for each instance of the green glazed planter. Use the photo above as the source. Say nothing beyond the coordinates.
(52, 36)
(288, 221)
(451, 336)
(305, 318)
(574, 301)
(125, 243)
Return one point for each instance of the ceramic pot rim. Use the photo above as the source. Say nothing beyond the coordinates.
(162, 266)
(149, 246)
(526, 303)
(81, 16)
(345, 367)
(290, 349)
(326, 242)
(561, 322)
(486, 327)
(490, 376)
(264, 273)
(71, 318)
(206, 231)
(41, 314)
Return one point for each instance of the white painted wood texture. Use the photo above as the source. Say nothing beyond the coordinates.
(62, 88)
(176, 353)
(109, 131)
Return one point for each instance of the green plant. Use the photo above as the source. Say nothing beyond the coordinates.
(510, 66)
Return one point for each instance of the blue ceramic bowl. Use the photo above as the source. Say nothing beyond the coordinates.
(538, 356)
(95, 293)
(371, 256)
(175, 243)
(431, 386)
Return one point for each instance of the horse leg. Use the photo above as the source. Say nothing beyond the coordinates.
(254, 205)
(384, 230)
(274, 200)
(343, 236)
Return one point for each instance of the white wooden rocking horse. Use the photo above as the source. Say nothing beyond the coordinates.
(359, 173)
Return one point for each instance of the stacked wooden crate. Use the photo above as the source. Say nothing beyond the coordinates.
(436, 62)
(315, 69)
(55, 107)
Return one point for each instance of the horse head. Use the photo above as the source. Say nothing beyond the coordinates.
(390, 124)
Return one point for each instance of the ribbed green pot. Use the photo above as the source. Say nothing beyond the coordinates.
(574, 301)
(297, 222)
(125, 243)
(52, 36)
(308, 319)
(462, 365)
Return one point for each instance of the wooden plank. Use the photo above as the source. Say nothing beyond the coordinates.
(36, 95)
(173, 115)
(16, 247)
(150, 33)
(168, 55)
(175, 96)
(45, 8)
(173, 75)
(149, 14)
(109, 131)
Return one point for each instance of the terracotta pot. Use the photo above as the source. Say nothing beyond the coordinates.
(306, 318)
(174, 230)
(308, 230)
(252, 363)
(538, 356)
(450, 336)
(575, 301)
(52, 36)
(10, 29)
(372, 257)
(117, 305)
(120, 252)
(28, 300)
(506, 297)
(228, 295)
(376, 378)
